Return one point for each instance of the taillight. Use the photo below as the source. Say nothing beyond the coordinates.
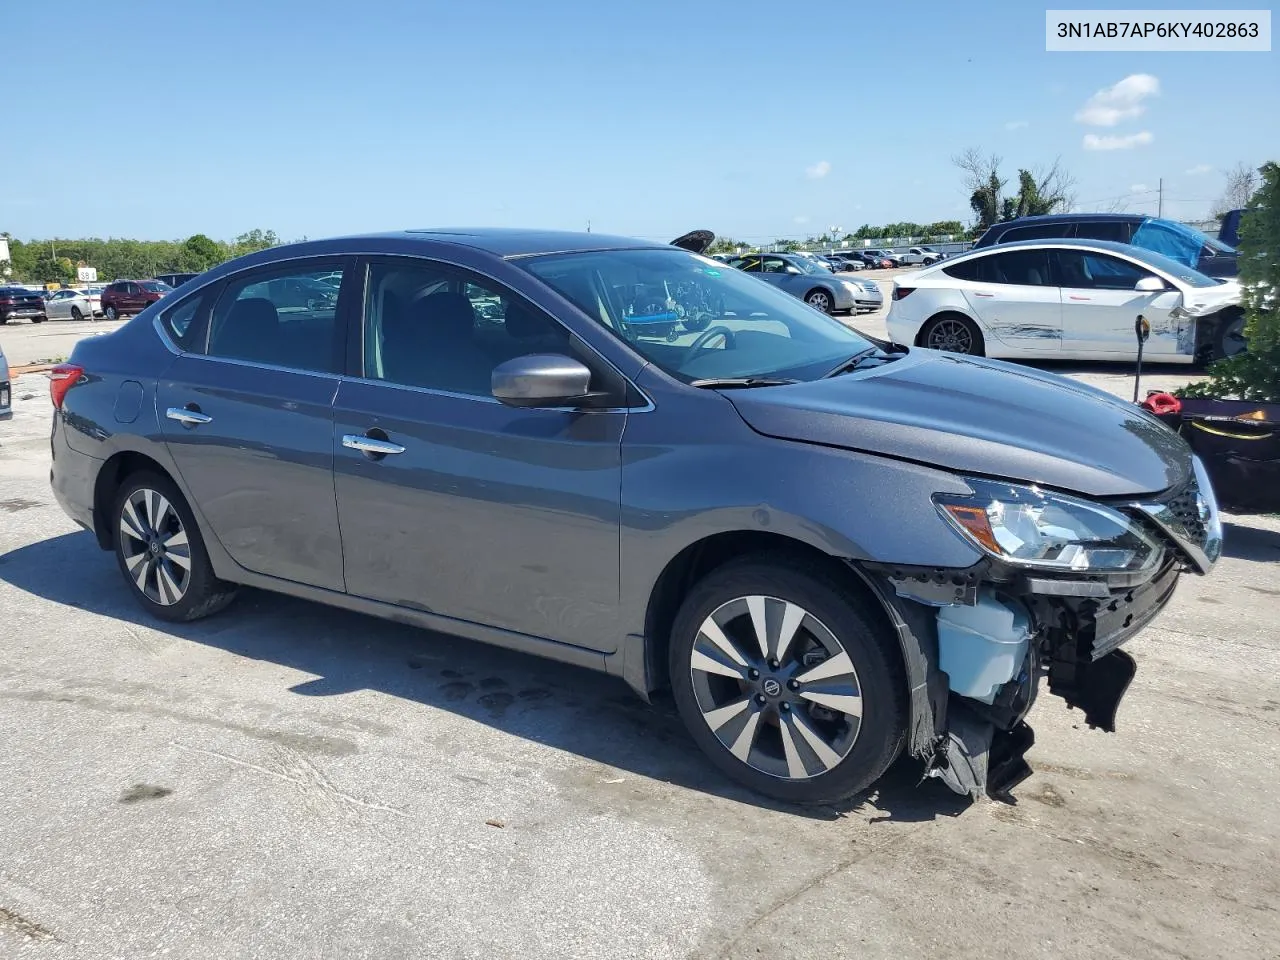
(901, 293)
(62, 378)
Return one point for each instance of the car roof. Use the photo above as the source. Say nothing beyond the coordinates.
(510, 242)
(1104, 246)
(1069, 218)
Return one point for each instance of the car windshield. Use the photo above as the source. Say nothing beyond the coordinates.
(155, 286)
(1175, 268)
(808, 266)
(696, 319)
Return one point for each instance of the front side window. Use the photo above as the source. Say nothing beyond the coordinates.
(1097, 271)
(284, 318)
(1117, 231)
(156, 286)
(694, 318)
(428, 325)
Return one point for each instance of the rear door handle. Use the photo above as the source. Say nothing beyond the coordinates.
(188, 417)
(979, 293)
(1073, 296)
(370, 445)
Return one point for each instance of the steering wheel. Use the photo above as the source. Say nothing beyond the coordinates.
(705, 337)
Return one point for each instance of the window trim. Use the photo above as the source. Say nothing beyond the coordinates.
(356, 340)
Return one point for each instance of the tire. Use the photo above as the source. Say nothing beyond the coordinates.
(39, 319)
(110, 313)
(755, 721)
(1228, 337)
(76, 314)
(952, 333)
(153, 539)
(821, 299)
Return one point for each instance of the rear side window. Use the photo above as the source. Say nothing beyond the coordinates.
(1027, 268)
(182, 323)
(1117, 231)
(285, 318)
(1039, 231)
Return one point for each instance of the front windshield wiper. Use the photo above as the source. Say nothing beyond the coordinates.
(848, 366)
(740, 383)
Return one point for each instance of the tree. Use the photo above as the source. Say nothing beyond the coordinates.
(1242, 183)
(199, 253)
(726, 245)
(1039, 191)
(1255, 374)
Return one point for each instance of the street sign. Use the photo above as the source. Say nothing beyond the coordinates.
(87, 274)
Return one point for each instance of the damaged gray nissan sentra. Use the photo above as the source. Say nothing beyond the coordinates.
(630, 457)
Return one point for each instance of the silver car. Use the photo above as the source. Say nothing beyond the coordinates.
(804, 278)
(73, 305)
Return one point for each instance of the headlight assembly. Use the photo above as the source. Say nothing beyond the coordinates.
(1047, 531)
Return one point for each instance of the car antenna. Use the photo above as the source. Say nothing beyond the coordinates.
(1142, 330)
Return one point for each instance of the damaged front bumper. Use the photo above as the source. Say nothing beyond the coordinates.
(979, 641)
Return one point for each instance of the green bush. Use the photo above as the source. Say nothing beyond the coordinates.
(1255, 374)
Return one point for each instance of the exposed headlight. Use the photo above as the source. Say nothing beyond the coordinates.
(851, 286)
(1047, 531)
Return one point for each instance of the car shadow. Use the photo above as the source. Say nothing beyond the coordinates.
(1250, 543)
(570, 708)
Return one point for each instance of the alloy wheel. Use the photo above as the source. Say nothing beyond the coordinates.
(76, 314)
(953, 336)
(776, 687)
(821, 301)
(153, 543)
(111, 313)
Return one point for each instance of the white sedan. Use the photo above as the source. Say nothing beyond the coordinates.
(1069, 300)
(73, 305)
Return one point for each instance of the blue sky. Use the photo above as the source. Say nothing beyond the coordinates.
(749, 118)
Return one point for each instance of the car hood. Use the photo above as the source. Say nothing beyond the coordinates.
(1199, 301)
(982, 417)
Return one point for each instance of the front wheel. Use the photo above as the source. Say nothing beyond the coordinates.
(161, 553)
(953, 333)
(40, 319)
(820, 300)
(788, 684)
(1229, 338)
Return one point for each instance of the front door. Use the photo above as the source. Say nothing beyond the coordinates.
(450, 501)
(1014, 295)
(1100, 306)
(249, 422)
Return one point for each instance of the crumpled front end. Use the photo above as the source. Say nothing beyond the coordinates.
(988, 635)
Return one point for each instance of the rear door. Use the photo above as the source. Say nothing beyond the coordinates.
(247, 411)
(1014, 295)
(1100, 306)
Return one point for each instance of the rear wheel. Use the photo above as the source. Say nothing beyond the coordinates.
(76, 314)
(110, 313)
(786, 682)
(161, 553)
(39, 319)
(953, 333)
(820, 299)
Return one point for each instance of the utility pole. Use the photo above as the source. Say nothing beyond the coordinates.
(1160, 202)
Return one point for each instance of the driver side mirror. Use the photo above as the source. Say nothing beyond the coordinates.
(1150, 285)
(542, 380)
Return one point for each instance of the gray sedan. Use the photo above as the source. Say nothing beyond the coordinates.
(73, 305)
(804, 278)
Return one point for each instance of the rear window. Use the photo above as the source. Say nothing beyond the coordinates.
(1039, 231)
(1117, 231)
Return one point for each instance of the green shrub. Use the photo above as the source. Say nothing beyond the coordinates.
(1255, 374)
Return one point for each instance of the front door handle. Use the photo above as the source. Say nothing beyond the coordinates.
(370, 445)
(188, 417)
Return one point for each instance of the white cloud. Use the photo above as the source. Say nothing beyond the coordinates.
(1138, 188)
(1094, 142)
(1017, 124)
(1122, 101)
(800, 219)
(1199, 169)
(818, 170)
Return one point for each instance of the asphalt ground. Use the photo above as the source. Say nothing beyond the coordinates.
(286, 780)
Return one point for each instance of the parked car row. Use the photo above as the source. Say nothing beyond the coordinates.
(812, 282)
